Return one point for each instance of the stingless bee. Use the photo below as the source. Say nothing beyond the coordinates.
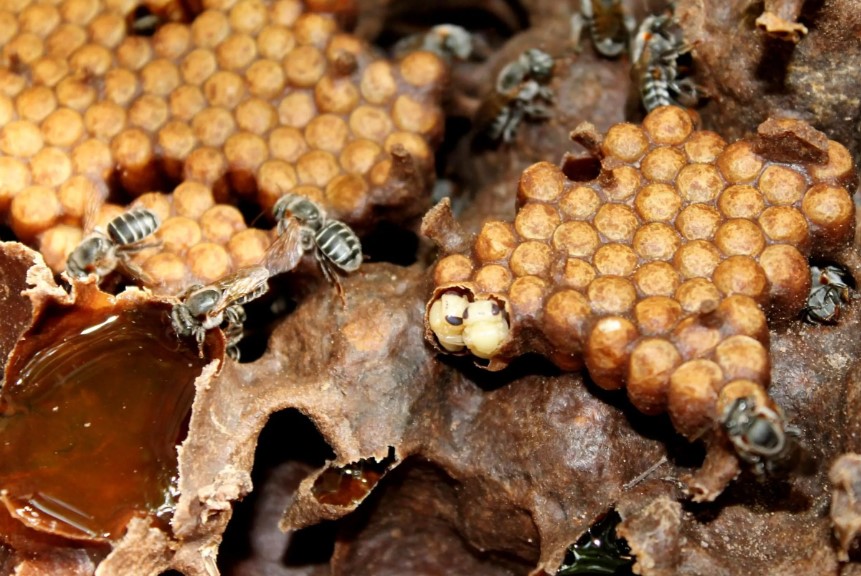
(760, 436)
(335, 245)
(220, 304)
(610, 28)
(448, 41)
(829, 289)
(520, 92)
(657, 75)
(100, 254)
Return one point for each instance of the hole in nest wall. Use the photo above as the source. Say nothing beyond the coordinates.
(289, 449)
(494, 20)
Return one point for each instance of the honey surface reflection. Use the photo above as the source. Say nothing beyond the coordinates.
(93, 407)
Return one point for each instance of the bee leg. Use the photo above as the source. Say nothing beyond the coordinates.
(332, 277)
(577, 24)
(687, 92)
(200, 336)
(511, 124)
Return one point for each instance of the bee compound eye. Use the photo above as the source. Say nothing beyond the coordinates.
(454, 320)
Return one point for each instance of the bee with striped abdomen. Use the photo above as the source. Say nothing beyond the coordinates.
(657, 75)
(100, 253)
(335, 245)
(610, 28)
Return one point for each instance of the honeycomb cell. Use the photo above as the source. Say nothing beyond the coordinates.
(51, 167)
(536, 221)
(493, 278)
(741, 201)
(542, 182)
(220, 222)
(452, 268)
(784, 224)
(378, 85)
(526, 296)
(692, 397)
(697, 336)
(317, 168)
(627, 142)
(657, 315)
(699, 183)
(248, 247)
(340, 96)
(422, 68)
(788, 276)
(739, 164)
(781, 185)
(611, 295)
(739, 237)
(179, 233)
(668, 125)
(697, 259)
(566, 314)
(531, 259)
(21, 139)
(607, 351)
(616, 222)
(208, 261)
(580, 203)
(34, 104)
(658, 203)
(697, 294)
(370, 123)
(656, 241)
(698, 222)
(743, 357)
(839, 168)
(830, 211)
(33, 210)
(496, 241)
(623, 182)
(657, 279)
(577, 274)
(742, 315)
(413, 116)
(704, 146)
(576, 239)
(652, 362)
(236, 52)
(663, 164)
(304, 66)
(614, 260)
(741, 275)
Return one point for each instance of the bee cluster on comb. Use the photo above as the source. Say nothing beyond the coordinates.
(250, 100)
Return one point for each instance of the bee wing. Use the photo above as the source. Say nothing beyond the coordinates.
(91, 213)
(287, 250)
(243, 282)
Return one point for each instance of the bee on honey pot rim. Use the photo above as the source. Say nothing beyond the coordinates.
(610, 28)
(657, 75)
(520, 92)
(220, 304)
(334, 244)
(100, 253)
(760, 436)
(829, 289)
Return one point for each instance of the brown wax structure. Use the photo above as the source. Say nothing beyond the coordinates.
(251, 99)
(657, 274)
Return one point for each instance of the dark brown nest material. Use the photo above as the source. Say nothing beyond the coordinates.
(669, 264)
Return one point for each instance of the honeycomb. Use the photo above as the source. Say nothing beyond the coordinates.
(657, 275)
(251, 99)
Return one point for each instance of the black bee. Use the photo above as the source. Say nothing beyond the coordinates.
(658, 76)
(334, 244)
(829, 289)
(760, 436)
(521, 92)
(609, 27)
(100, 254)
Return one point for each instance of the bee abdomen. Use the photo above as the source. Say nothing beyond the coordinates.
(133, 226)
(340, 245)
